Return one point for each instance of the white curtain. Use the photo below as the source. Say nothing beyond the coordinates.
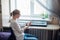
(52, 6)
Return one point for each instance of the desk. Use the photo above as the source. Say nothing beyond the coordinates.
(44, 33)
(49, 27)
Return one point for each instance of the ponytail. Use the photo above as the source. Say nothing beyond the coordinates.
(11, 14)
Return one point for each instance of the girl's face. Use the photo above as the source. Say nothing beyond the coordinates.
(17, 15)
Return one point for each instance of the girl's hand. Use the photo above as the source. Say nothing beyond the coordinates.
(28, 24)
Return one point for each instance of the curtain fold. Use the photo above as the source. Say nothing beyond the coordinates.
(53, 6)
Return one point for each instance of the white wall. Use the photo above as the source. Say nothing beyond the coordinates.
(5, 12)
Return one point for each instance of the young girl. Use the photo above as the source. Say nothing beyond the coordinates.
(19, 32)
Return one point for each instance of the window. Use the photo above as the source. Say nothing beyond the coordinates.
(40, 11)
(30, 8)
(5, 12)
(24, 7)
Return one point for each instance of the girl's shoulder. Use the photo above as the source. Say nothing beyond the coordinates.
(12, 21)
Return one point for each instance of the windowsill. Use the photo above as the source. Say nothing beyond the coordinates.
(6, 19)
(30, 18)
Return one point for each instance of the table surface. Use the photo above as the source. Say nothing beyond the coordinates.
(49, 27)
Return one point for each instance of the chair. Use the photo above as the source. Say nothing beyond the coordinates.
(26, 36)
(4, 35)
(12, 36)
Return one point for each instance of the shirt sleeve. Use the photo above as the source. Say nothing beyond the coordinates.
(16, 27)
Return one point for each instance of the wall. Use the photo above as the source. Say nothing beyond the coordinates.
(0, 20)
(0, 16)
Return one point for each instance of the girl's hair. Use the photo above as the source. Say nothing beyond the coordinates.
(14, 12)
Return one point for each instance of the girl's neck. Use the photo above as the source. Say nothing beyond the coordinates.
(14, 18)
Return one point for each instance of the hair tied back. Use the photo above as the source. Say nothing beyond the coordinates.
(11, 14)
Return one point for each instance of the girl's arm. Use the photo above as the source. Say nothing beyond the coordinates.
(27, 25)
(17, 28)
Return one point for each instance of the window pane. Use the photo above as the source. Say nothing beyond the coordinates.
(29, 8)
(12, 5)
(43, 2)
(5, 12)
(24, 6)
(38, 9)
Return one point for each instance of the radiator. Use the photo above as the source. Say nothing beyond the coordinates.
(40, 34)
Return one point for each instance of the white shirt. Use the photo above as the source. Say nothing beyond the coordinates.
(16, 28)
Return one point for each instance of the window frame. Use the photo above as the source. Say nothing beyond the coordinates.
(31, 10)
